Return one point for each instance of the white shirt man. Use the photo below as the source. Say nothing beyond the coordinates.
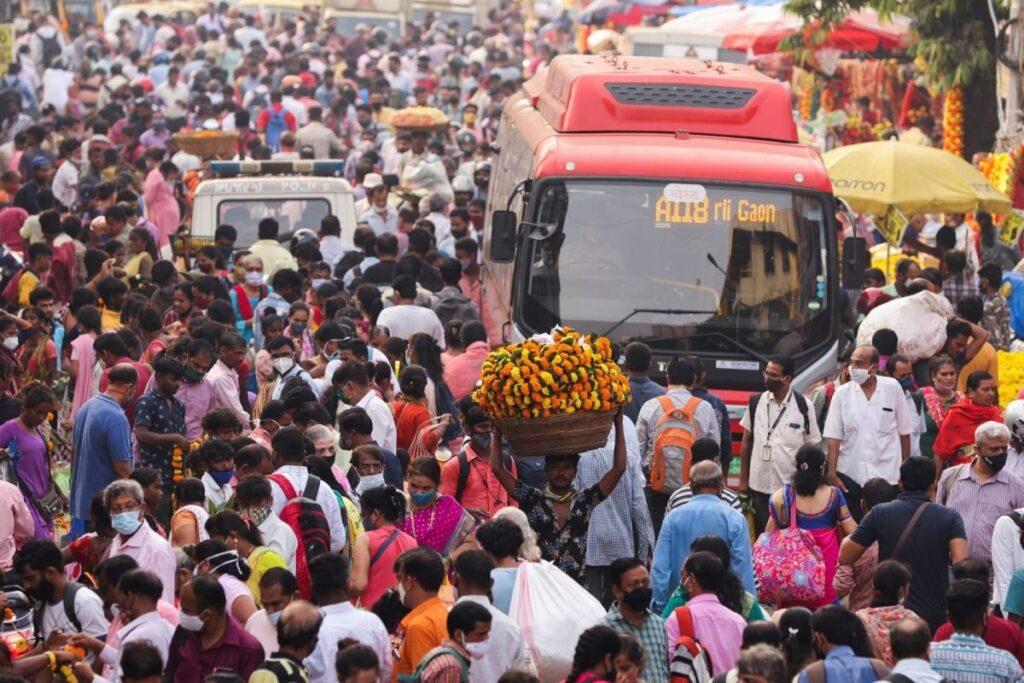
(150, 628)
(297, 476)
(382, 219)
(280, 538)
(345, 621)
(333, 249)
(172, 95)
(1007, 554)
(384, 432)
(870, 433)
(88, 610)
(405, 320)
(777, 431)
(65, 180)
(507, 650)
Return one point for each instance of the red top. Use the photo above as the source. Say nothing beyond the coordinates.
(409, 417)
(264, 117)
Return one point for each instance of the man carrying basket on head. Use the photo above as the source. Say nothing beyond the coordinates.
(560, 514)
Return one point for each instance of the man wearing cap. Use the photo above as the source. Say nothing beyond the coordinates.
(26, 196)
(381, 216)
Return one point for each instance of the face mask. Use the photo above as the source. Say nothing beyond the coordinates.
(401, 593)
(317, 283)
(423, 499)
(638, 599)
(115, 611)
(206, 267)
(859, 375)
(370, 481)
(477, 650)
(458, 235)
(190, 622)
(773, 385)
(257, 515)
(333, 356)
(126, 523)
(477, 221)
(193, 377)
(945, 386)
(274, 617)
(10, 343)
(224, 477)
(469, 118)
(996, 461)
(253, 278)
(481, 443)
(297, 328)
(465, 263)
(168, 290)
(368, 524)
(907, 382)
(225, 251)
(345, 441)
(283, 365)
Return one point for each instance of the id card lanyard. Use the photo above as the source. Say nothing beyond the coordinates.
(766, 451)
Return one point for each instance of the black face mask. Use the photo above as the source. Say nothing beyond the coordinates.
(459, 234)
(996, 461)
(638, 599)
(773, 385)
(481, 443)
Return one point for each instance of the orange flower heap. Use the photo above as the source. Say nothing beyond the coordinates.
(531, 379)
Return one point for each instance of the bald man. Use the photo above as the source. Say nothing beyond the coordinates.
(297, 632)
(705, 515)
(910, 639)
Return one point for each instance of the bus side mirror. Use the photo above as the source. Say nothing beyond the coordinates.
(504, 226)
(855, 262)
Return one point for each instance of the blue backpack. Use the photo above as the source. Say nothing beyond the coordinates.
(276, 125)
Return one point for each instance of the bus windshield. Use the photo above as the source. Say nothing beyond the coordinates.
(699, 268)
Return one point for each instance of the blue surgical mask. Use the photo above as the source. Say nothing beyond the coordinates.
(126, 523)
(224, 477)
(423, 499)
(907, 382)
(317, 282)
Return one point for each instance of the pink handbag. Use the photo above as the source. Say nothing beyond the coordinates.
(788, 563)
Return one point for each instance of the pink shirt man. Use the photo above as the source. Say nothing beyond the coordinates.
(152, 552)
(16, 525)
(462, 372)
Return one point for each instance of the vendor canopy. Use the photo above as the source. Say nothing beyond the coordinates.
(761, 27)
(874, 176)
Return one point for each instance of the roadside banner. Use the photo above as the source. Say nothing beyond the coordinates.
(1012, 227)
(892, 225)
(6, 47)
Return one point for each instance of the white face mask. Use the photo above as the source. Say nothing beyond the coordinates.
(283, 365)
(253, 278)
(11, 343)
(274, 617)
(401, 593)
(370, 481)
(190, 622)
(859, 375)
(477, 650)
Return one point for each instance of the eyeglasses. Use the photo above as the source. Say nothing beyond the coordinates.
(370, 468)
(131, 507)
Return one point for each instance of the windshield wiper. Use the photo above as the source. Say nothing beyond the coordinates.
(663, 311)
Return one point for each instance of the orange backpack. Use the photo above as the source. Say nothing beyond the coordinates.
(674, 434)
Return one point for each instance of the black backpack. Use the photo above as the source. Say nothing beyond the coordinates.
(51, 49)
(801, 404)
(460, 487)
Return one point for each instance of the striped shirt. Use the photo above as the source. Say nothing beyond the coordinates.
(967, 659)
(651, 635)
(979, 503)
(684, 495)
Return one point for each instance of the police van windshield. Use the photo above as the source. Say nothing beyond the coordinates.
(723, 269)
(244, 215)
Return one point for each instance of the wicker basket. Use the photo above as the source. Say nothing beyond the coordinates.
(220, 145)
(557, 435)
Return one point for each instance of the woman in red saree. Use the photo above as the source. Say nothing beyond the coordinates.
(955, 442)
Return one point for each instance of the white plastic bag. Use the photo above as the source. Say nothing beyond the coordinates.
(919, 322)
(552, 610)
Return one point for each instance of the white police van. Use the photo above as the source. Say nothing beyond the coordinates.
(297, 194)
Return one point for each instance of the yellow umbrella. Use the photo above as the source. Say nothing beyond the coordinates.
(873, 176)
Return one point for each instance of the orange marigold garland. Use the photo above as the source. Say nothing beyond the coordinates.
(953, 122)
(532, 379)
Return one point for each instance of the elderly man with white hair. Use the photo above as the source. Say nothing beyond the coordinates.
(124, 502)
(982, 489)
(1007, 551)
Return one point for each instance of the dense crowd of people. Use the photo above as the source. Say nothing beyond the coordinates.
(264, 462)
